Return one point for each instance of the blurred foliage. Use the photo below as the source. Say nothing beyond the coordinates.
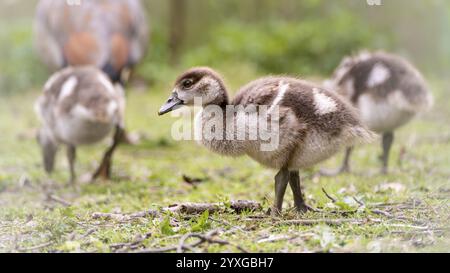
(305, 47)
(295, 37)
(155, 65)
(19, 65)
(267, 36)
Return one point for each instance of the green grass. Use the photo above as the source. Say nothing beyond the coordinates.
(149, 176)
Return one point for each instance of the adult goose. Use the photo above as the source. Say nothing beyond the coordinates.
(79, 106)
(387, 90)
(310, 123)
(111, 35)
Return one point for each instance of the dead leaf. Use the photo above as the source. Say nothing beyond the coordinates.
(192, 180)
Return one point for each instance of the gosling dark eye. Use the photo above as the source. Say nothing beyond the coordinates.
(187, 83)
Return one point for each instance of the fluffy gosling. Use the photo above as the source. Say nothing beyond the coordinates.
(313, 123)
(79, 106)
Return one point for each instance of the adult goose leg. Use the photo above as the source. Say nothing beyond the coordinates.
(71, 155)
(104, 170)
(281, 181)
(345, 167)
(388, 138)
(299, 201)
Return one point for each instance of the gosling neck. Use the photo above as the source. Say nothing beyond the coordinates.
(222, 98)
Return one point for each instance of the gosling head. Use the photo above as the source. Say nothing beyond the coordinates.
(200, 83)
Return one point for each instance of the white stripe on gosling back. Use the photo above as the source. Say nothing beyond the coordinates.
(378, 75)
(68, 88)
(50, 81)
(282, 88)
(324, 104)
(107, 83)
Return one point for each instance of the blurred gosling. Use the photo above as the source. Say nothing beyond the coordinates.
(387, 90)
(79, 106)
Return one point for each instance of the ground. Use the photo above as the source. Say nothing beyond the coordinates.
(407, 210)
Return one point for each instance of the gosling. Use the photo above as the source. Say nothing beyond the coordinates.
(79, 106)
(313, 123)
(387, 90)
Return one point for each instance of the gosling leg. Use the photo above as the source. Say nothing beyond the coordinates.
(345, 167)
(299, 201)
(281, 181)
(104, 170)
(71, 156)
(388, 138)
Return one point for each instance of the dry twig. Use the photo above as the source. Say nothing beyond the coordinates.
(186, 208)
(131, 245)
(328, 196)
(330, 221)
(36, 247)
(197, 208)
(125, 217)
(57, 199)
(202, 238)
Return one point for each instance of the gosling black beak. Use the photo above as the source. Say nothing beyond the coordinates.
(170, 105)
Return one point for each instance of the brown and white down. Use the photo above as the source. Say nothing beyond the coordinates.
(387, 90)
(111, 35)
(79, 106)
(313, 123)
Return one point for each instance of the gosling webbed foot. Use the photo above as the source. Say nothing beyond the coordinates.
(274, 212)
(103, 172)
(304, 208)
(299, 200)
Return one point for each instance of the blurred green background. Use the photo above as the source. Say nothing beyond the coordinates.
(305, 38)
